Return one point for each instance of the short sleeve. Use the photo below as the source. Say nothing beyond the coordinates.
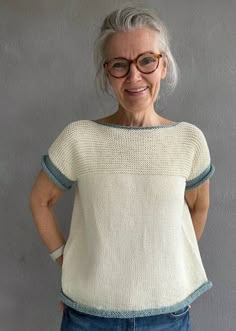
(59, 163)
(201, 167)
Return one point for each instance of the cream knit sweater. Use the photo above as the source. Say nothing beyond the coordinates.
(132, 249)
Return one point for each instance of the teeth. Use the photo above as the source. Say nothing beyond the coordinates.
(138, 90)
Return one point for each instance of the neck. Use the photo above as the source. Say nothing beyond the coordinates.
(143, 118)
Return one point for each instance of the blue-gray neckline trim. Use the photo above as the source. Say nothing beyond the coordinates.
(135, 127)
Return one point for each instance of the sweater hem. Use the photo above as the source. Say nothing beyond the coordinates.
(55, 174)
(206, 174)
(135, 313)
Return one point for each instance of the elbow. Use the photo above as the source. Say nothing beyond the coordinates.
(37, 202)
(201, 204)
(201, 211)
(33, 205)
(44, 194)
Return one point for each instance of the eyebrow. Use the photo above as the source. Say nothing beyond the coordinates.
(121, 57)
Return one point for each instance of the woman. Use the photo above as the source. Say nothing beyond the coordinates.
(141, 193)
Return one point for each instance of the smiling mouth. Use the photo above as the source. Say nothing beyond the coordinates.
(136, 90)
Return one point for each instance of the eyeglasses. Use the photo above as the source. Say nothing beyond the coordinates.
(146, 63)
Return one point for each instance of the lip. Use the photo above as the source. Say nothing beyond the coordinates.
(136, 94)
(136, 87)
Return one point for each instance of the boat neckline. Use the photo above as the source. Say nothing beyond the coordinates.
(118, 126)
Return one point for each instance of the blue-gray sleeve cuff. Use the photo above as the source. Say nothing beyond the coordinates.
(55, 174)
(206, 174)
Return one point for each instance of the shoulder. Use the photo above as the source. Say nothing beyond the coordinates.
(192, 138)
(73, 129)
(190, 126)
(73, 126)
(192, 130)
(68, 135)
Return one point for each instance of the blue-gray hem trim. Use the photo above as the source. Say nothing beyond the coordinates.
(135, 313)
(206, 174)
(135, 127)
(55, 174)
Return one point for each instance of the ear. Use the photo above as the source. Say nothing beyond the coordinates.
(164, 67)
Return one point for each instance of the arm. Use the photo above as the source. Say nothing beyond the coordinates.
(198, 202)
(43, 196)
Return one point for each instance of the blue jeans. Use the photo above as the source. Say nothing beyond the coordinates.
(74, 320)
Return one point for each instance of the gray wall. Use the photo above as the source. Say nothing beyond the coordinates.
(46, 81)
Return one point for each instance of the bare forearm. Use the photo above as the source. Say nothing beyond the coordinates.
(199, 218)
(48, 228)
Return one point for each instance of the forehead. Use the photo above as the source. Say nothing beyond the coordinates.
(130, 44)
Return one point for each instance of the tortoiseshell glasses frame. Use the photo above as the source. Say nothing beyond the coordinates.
(145, 68)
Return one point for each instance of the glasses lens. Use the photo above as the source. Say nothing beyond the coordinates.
(147, 62)
(118, 67)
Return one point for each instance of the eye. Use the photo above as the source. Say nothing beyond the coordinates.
(119, 65)
(147, 60)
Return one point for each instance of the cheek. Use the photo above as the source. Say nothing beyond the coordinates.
(116, 85)
(153, 80)
(154, 84)
(155, 88)
(157, 81)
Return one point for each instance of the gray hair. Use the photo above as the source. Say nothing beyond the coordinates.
(128, 18)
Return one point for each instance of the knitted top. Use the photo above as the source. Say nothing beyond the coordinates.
(132, 249)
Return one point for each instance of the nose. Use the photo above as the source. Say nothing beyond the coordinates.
(134, 74)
